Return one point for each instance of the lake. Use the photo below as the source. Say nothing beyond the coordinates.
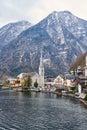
(40, 111)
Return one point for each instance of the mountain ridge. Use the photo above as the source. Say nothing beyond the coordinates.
(10, 31)
(62, 36)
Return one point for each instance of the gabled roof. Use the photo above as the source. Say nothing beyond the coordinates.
(69, 76)
(32, 74)
(24, 75)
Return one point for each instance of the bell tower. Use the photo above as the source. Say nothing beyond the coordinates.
(41, 72)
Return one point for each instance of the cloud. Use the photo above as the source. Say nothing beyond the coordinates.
(44, 7)
(78, 7)
(36, 10)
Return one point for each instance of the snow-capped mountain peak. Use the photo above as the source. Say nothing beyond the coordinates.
(12, 30)
(62, 36)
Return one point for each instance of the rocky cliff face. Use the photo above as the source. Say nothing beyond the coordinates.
(61, 35)
(11, 31)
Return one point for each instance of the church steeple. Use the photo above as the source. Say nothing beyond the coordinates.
(41, 71)
(41, 60)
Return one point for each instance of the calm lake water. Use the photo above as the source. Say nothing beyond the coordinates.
(40, 111)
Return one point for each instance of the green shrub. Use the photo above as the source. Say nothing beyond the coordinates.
(74, 89)
(36, 84)
(85, 97)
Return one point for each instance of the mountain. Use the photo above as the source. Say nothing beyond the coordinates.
(11, 31)
(62, 37)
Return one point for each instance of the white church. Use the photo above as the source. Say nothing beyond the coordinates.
(39, 77)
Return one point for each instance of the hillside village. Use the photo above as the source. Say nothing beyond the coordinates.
(73, 84)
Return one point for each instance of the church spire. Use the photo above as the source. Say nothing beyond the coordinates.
(41, 60)
(41, 71)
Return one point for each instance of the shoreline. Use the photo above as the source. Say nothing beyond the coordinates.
(83, 101)
(44, 91)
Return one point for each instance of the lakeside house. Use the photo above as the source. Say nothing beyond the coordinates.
(81, 78)
(65, 82)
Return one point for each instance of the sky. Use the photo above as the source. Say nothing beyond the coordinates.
(36, 10)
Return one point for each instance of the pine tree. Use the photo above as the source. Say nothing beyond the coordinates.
(28, 82)
(36, 84)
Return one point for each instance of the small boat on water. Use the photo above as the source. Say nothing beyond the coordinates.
(19, 89)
